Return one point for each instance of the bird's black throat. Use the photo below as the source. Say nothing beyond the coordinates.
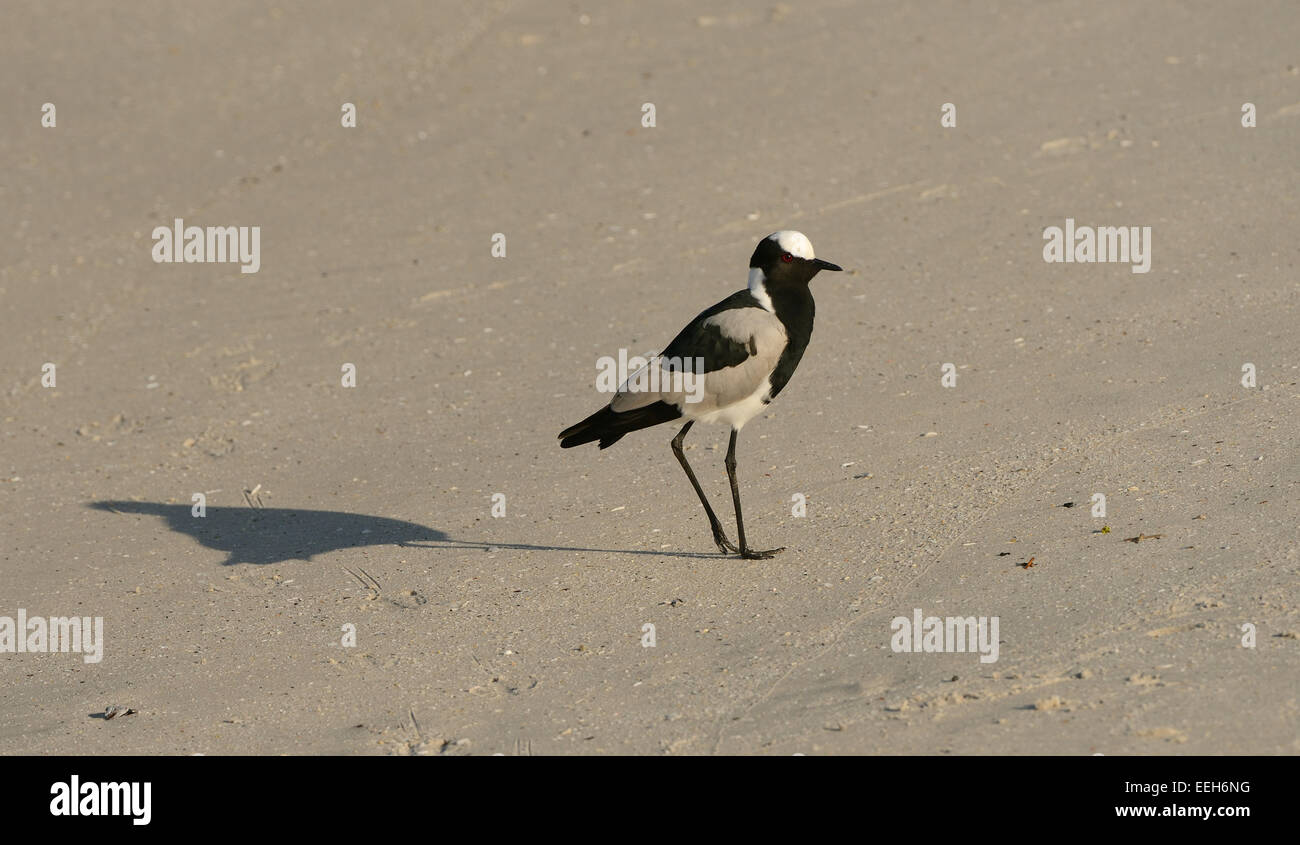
(795, 308)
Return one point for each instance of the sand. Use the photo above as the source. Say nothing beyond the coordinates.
(332, 509)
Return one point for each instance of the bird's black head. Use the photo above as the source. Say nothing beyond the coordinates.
(786, 260)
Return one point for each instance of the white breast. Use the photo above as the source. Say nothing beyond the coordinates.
(737, 413)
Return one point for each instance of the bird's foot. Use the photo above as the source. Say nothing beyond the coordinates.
(755, 554)
(724, 545)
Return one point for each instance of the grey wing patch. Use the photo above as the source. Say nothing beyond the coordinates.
(709, 345)
(765, 337)
(736, 349)
(754, 327)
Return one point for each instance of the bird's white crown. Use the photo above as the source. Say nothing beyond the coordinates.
(795, 243)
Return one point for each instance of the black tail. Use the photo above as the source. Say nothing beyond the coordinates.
(608, 426)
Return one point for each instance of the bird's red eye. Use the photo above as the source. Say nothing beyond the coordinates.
(787, 258)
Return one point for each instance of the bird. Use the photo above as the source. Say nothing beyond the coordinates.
(742, 350)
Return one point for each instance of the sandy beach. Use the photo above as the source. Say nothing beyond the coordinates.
(395, 556)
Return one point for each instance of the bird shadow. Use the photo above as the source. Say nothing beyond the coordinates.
(274, 535)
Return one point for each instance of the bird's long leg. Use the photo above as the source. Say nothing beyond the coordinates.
(719, 536)
(745, 551)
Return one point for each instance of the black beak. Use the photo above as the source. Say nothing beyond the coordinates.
(826, 265)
